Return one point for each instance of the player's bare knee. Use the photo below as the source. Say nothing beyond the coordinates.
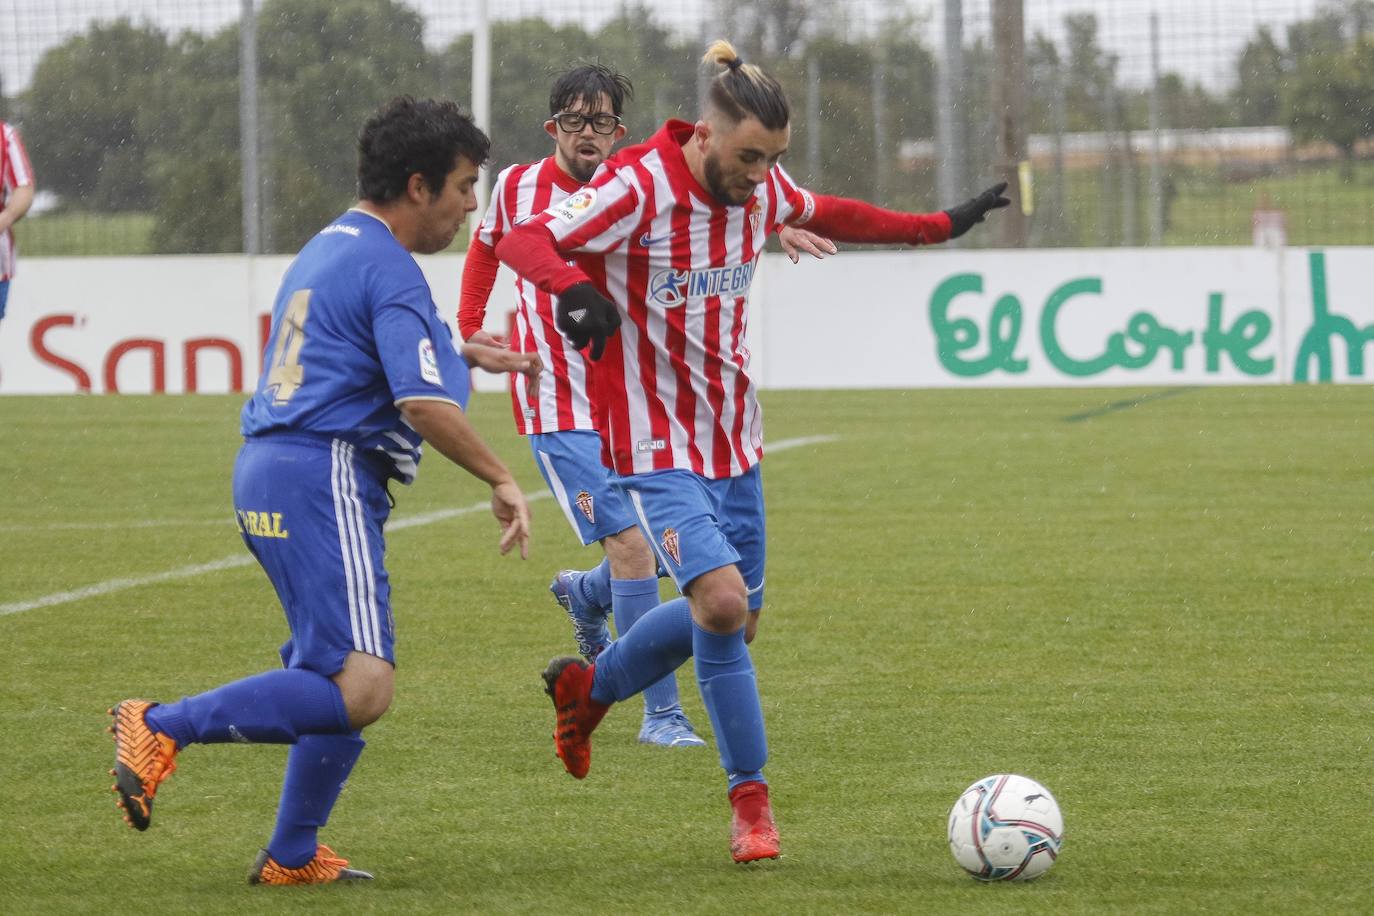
(367, 684)
(630, 555)
(719, 608)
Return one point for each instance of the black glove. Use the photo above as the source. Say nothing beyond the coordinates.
(962, 217)
(585, 316)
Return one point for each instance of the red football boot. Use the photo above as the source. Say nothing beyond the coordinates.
(753, 835)
(569, 681)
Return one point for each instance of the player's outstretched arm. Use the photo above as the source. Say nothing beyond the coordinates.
(443, 425)
(848, 220)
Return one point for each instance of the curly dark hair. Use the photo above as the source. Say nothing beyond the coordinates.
(406, 136)
(587, 82)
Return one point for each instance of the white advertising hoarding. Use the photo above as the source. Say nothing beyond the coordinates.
(925, 318)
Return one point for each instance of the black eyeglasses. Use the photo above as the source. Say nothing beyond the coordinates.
(573, 122)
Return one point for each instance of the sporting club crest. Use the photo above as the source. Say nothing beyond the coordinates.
(671, 546)
(584, 503)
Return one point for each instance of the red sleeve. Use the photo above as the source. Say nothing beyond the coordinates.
(847, 220)
(479, 276)
(529, 250)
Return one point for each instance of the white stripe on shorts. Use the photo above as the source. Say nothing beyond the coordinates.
(560, 493)
(360, 599)
(663, 560)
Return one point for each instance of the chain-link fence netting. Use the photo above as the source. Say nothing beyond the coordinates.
(1121, 122)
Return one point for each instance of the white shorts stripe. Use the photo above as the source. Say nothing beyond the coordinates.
(560, 493)
(649, 535)
(361, 559)
(371, 617)
(336, 485)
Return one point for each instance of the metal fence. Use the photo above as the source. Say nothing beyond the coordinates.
(228, 125)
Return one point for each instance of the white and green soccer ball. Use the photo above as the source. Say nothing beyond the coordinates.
(1006, 828)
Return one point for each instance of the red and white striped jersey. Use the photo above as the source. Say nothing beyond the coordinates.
(14, 172)
(674, 384)
(560, 400)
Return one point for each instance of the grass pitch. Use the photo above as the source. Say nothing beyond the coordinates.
(1159, 609)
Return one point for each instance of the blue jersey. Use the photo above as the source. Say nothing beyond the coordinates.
(355, 331)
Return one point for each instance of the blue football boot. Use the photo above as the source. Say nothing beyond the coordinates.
(590, 627)
(669, 728)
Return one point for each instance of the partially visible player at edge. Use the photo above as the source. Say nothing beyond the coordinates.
(675, 226)
(586, 108)
(361, 369)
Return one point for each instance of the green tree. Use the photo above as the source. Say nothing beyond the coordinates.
(1090, 80)
(1331, 98)
(1262, 69)
(87, 99)
(195, 168)
(324, 66)
(765, 30)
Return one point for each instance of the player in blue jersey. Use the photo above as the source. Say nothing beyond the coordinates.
(360, 370)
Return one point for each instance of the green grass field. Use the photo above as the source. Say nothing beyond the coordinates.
(56, 235)
(1161, 611)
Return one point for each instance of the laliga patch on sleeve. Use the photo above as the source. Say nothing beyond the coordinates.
(575, 207)
(429, 366)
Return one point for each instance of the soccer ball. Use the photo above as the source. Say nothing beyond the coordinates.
(1006, 828)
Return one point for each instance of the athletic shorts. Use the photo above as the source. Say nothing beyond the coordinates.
(4, 296)
(311, 511)
(696, 524)
(571, 464)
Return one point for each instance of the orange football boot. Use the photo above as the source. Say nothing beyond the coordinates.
(143, 759)
(323, 869)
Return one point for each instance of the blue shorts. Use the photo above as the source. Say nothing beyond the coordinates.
(4, 296)
(311, 511)
(696, 524)
(571, 464)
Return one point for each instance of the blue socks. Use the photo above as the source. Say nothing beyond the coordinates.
(276, 707)
(595, 585)
(731, 694)
(316, 770)
(652, 649)
(632, 598)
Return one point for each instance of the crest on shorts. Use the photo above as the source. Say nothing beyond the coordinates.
(671, 546)
(584, 503)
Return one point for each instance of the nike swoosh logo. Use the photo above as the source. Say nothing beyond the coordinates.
(646, 240)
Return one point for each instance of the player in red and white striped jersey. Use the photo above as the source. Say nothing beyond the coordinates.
(585, 108)
(665, 240)
(16, 196)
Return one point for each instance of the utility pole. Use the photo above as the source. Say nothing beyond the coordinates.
(1009, 109)
(1156, 147)
(250, 188)
(481, 94)
(950, 180)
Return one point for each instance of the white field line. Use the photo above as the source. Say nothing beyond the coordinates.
(224, 521)
(109, 586)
